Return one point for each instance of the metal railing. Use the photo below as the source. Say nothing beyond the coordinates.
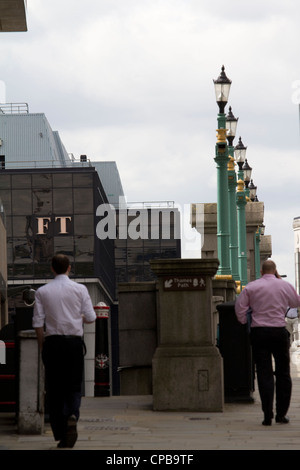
(42, 164)
(14, 108)
(148, 205)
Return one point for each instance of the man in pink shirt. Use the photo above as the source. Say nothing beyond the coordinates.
(267, 299)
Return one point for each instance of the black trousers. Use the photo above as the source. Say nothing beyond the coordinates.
(271, 344)
(63, 361)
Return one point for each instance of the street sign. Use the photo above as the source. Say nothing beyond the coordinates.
(178, 283)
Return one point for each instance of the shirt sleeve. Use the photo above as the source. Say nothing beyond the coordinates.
(87, 307)
(38, 318)
(242, 306)
(294, 298)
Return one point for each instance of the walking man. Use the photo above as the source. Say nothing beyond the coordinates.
(61, 307)
(268, 298)
(292, 324)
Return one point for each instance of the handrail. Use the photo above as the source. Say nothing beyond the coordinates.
(14, 108)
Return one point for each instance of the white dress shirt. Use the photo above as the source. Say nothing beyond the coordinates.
(61, 305)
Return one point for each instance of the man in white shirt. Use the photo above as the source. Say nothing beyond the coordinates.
(61, 307)
(292, 324)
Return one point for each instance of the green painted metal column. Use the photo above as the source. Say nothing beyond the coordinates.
(241, 202)
(221, 160)
(233, 235)
(222, 87)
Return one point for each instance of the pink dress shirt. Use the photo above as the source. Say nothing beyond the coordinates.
(268, 297)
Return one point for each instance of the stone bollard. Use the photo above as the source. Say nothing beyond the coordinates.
(187, 366)
(31, 385)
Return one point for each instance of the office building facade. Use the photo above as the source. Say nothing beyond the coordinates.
(55, 203)
(50, 211)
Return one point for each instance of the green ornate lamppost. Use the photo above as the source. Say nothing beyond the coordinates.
(231, 125)
(222, 87)
(247, 170)
(252, 191)
(241, 201)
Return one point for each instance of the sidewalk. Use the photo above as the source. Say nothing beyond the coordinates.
(127, 423)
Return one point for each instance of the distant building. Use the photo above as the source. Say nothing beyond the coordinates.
(12, 19)
(159, 229)
(13, 16)
(3, 269)
(55, 203)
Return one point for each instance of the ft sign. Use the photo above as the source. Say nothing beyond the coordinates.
(184, 283)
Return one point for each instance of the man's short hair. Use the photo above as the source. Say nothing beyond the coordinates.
(268, 267)
(60, 263)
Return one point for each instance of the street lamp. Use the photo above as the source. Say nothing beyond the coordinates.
(241, 201)
(222, 87)
(240, 155)
(231, 125)
(252, 191)
(247, 173)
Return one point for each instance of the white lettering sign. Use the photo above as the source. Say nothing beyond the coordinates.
(43, 225)
(63, 223)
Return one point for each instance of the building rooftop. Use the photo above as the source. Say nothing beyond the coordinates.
(27, 141)
(13, 15)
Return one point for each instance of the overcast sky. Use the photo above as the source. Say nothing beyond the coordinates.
(131, 81)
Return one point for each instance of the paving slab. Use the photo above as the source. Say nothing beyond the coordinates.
(121, 424)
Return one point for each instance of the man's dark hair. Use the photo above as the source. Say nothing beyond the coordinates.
(60, 263)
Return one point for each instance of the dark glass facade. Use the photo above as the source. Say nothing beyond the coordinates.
(145, 234)
(50, 211)
(55, 210)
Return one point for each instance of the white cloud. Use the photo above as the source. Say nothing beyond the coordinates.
(155, 162)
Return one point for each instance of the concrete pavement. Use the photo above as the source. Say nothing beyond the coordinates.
(127, 423)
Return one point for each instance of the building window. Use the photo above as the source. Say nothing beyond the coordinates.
(62, 201)
(42, 201)
(83, 201)
(2, 162)
(62, 180)
(21, 202)
(20, 181)
(41, 180)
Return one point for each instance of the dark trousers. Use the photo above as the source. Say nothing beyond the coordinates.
(270, 344)
(63, 361)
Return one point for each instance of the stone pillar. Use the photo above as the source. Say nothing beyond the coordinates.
(31, 385)
(187, 366)
(206, 225)
(254, 219)
(137, 336)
